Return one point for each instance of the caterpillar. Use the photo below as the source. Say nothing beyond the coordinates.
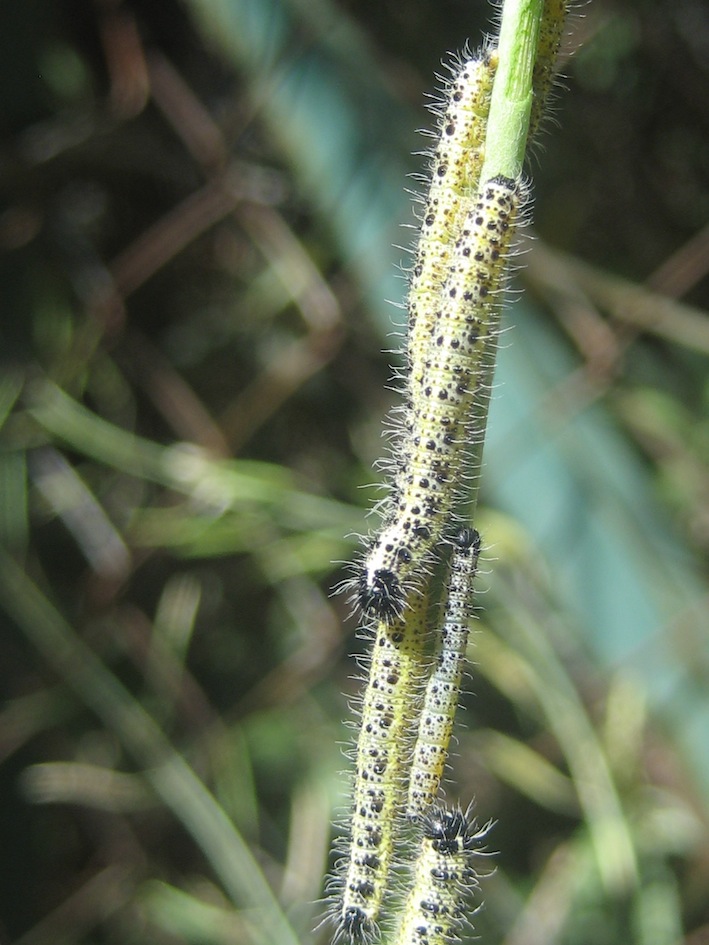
(551, 30)
(388, 724)
(444, 877)
(454, 175)
(443, 687)
(443, 398)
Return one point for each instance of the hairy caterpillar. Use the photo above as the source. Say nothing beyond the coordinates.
(444, 877)
(454, 176)
(443, 400)
(389, 711)
(443, 687)
(544, 75)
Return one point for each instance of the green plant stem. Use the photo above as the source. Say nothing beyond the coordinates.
(512, 92)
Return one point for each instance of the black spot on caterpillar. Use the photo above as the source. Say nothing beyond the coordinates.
(445, 875)
(440, 431)
(390, 704)
(443, 687)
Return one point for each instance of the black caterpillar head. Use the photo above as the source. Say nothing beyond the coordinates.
(381, 594)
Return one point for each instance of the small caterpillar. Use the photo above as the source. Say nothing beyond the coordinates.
(455, 172)
(443, 400)
(551, 30)
(443, 687)
(444, 877)
(389, 713)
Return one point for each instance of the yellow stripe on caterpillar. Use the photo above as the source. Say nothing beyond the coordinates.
(455, 172)
(390, 706)
(443, 687)
(439, 430)
(445, 875)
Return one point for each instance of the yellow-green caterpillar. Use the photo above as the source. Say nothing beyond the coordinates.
(454, 176)
(443, 397)
(445, 875)
(388, 724)
(443, 687)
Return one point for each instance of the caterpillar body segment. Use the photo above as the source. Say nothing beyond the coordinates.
(444, 879)
(390, 707)
(440, 429)
(454, 176)
(443, 687)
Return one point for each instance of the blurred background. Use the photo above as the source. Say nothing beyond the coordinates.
(200, 241)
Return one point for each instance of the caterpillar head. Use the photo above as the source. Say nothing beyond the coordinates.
(381, 594)
(356, 926)
(453, 830)
(468, 539)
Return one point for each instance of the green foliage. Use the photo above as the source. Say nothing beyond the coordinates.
(199, 203)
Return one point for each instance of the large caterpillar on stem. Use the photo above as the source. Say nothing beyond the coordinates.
(388, 722)
(454, 176)
(447, 384)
